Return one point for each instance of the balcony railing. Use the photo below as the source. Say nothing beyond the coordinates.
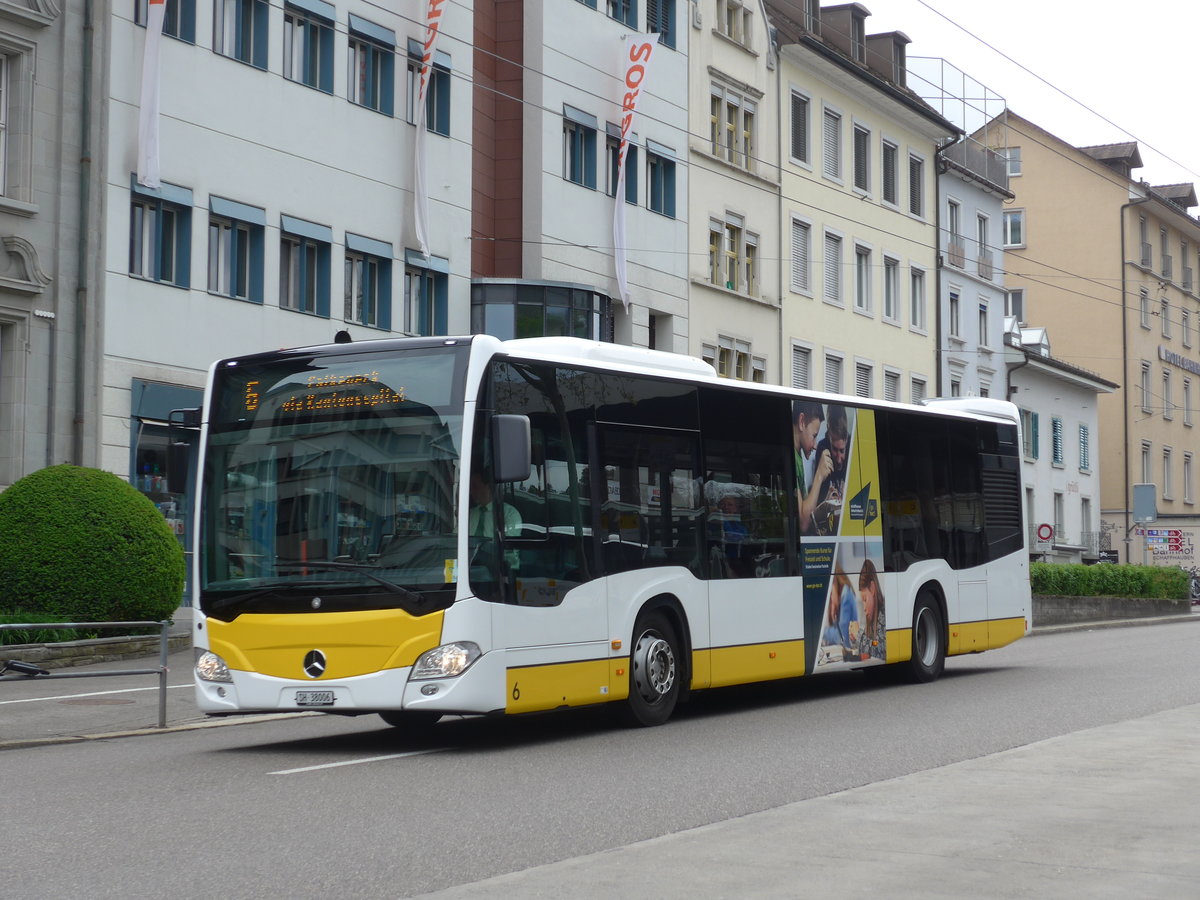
(1167, 266)
(985, 265)
(1187, 278)
(1147, 254)
(957, 254)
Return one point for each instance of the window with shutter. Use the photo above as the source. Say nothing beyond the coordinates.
(891, 386)
(832, 163)
(801, 239)
(1056, 440)
(833, 268)
(916, 186)
(890, 193)
(862, 159)
(1085, 449)
(799, 127)
(801, 368)
(833, 374)
(862, 380)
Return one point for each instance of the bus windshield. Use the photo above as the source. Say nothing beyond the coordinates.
(330, 482)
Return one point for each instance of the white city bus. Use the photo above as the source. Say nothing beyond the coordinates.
(422, 527)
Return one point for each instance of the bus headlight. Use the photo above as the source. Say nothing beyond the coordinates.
(210, 667)
(446, 661)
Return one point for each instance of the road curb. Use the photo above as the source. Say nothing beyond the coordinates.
(140, 732)
(1112, 623)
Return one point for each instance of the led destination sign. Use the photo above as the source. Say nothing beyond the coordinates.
(348, 394)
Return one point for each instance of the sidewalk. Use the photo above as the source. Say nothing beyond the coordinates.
(1106, 812)
(43, 710)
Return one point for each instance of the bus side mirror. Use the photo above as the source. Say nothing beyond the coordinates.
(511, 448)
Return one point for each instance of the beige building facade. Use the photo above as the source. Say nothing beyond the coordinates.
(859, 208)
(1107, 263)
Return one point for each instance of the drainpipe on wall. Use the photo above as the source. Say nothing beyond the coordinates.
(939, 168)
(81, 259)
(1125, 371)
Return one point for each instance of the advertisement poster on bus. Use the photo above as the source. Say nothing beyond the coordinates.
(837, 495)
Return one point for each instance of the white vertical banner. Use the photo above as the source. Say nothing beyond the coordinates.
(147, 146)
(635, 63)
(433, 30)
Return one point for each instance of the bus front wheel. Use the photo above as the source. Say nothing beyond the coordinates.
(655, 670)
(928, 640)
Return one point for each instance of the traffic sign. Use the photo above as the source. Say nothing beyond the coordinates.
(1045, 532)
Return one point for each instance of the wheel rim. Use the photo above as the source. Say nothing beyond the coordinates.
(653, 667)
(926, 638)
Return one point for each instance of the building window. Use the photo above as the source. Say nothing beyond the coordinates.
(520, 309)
(955, 386)
(891, 190)
(800, 128)
(891, 386)
(862, 158)
(801, 257)
(1144, 307)
(308, 48)
(579, 148)
(1085, 449)
(1029, 434)
(831, 143)
(732, 255)
(734, 20)
(1144, 239)
(1164, 313)
(372, 63)
(367, 282)
(1168, 406)
(304, 260)
(1168, 488)
(1185, 325)
(833, 268)
(983, 324)
(862, 279)
(891, 289)
(425, 292)
(801, 368)
(833, 374)
(179, 18)
(735, 360)
(916, 186)
(863, 376)
(236, 234)
(437, 92)
(917, 390)
(1165, 248)
(954, 234)
(1147, 405)
(954, 326)
(624, 11)
(1187, 401)
(1014, 304)
(660, 19)
(916, 299)
(1147, 474)
(160, 235)
(1059, 518)
(732, 125)
(240, 30)
(612, 149)
(660, 172)
(1189, 495)
(1056, 441)
(1014, 228)
(1012, 161)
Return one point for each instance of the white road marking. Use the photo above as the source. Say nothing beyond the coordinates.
(92, 694)
(356, 762)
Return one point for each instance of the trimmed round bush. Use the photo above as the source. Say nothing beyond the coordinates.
(80, 544)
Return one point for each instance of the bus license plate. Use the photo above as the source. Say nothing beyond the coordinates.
(314, 698)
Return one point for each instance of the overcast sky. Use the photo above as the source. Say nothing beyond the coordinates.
(1130, 63)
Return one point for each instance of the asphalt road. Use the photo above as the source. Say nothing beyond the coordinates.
(316, 806)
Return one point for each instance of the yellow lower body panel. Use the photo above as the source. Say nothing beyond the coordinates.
(749, 663)
(973, 637)
(354, 643)
(536, 688)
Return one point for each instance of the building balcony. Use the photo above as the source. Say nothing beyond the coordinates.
(1186, 281)
(986, 269)
(1167, 266)
(956, 254)
(1147, 254)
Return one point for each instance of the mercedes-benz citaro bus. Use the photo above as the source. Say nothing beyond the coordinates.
(430, 526)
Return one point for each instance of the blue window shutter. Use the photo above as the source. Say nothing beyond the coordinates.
(259, 50)
(325, 37)
(187, 21)
(631, 175)
(256, 262)
(589, 158)
(385, 295)
(1034, 441)
(323, 280)
(183, 231)
(387, 62)
(440, 285)
(669, 188)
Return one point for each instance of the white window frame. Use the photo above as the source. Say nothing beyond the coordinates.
(1017, 216)
(918, 300)
(832, 287)
(863, 282)
(891, 290)
(805, 129)
(832, 165)
(802, 375)
(834, 370)
(801, 273)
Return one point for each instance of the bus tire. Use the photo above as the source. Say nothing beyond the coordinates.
(413, 724)
(655, 671)
(928, 640)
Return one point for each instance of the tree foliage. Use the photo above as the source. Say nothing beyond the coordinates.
(80, 544)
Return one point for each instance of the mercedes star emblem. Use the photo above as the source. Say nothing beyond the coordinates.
(314, 664)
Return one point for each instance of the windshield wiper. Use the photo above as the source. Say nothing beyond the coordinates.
(362, 569)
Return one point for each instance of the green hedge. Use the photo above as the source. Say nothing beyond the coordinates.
(82, 545)
(1165, 582)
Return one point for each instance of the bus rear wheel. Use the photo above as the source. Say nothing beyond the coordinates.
(655, 671)
(928, 641)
